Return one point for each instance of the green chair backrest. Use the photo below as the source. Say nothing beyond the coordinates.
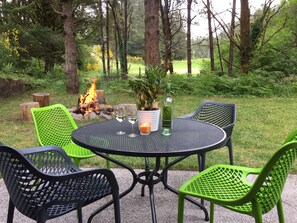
(292, 136)
(270, 182)
(54, 125)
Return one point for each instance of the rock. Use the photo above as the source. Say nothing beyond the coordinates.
(77, 116)
(108, 117)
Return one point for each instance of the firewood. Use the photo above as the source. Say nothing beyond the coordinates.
(26, 115)
(42, 98)
(101, 96)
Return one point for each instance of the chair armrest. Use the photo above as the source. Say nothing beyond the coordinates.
(50, 160)
(82, 187)
(228, 129)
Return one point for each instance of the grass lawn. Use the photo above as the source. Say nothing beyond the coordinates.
(262, 125)
(178, 67)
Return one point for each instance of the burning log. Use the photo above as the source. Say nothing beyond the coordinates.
(93, 103)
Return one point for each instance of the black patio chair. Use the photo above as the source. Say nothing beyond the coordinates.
(220, 114)
(43, 183)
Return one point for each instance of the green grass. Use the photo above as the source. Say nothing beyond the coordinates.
(178, 67)
(262, 125)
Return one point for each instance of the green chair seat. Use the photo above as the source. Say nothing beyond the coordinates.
(228, 186)
(54, 126)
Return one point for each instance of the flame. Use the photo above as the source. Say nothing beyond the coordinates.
(89, 100)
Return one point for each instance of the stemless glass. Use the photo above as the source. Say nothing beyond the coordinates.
(132, 118)
(120, 115)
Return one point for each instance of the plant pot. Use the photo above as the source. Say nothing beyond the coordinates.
(150, 116)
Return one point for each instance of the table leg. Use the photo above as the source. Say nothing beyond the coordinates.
(147, 168)
(151, 177)
(151, 189)
(165, 183)
(124, 193)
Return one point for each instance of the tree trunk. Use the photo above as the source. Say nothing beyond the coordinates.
(121, 34)
(231, 46)
(102, 39)
(210, 37)
(25, 110)
(151, 51)
(165, 11)
(244, 36)
(42, 98)
(49, 63)
(125, 39)
(189, 47)
(107, 39)
(72, 84)
(116, 52)
(219, 49)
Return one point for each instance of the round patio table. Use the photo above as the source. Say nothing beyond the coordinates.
(188, 137)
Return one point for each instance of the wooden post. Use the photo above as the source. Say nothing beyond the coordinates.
(26, 114)
(101, 96)
(42, 99)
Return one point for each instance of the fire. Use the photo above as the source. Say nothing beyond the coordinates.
(88, 102)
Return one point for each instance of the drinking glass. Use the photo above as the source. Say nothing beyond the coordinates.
(132, 118)
(120, 115)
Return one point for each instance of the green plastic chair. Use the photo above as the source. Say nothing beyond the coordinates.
(292, 136)
(54, 126)
(227, 186)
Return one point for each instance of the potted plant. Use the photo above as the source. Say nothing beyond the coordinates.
(147, 90)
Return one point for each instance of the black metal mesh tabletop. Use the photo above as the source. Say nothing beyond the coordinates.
(188, 137)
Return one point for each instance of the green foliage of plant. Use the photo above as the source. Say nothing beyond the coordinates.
(147, 89)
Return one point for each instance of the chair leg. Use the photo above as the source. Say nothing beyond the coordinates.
(165, 173)
(76, 161)
(107, 162)
(181, 204)
(201, 161)
(41, 218)
(116, 204)
(257, 212)
(10, 212)
(229, 145)
(280, 211)
(79, 215)
(201, 165)
(211, 217)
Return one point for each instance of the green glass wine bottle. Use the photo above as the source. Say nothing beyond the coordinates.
(167, 114)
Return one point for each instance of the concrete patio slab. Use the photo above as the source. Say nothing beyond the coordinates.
(136, 209)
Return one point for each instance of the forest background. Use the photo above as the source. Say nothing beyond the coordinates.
(109, 41)
(110, 46)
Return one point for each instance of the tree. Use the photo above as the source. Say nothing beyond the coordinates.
(189, 47)
(40, 31)
(171, 25)
(244, 36)
(151, 18)
(210, 35)
(121, 16)
(72, 84)
(232, 33)
(101, 36)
